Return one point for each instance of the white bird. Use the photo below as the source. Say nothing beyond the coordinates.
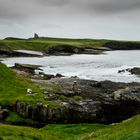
(29, 91)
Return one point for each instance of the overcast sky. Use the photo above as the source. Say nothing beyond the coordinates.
(108, 19)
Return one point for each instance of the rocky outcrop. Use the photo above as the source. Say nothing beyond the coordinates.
(18, 65)
(11, 53)
(66, 49)
(43, 76)
(60, 49)
(123, 104)
(42, 113)
(102, 102)
(30, 69)
(118, 45)
(135, 70)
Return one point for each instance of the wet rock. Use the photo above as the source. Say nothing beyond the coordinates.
(122, 71)
(48, 76)
(27, 68)
(43, 76)
(74, 77)
(58, 75)
(135, 70)
(11, 53)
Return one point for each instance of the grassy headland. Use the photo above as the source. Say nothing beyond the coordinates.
(14, 88)
(41, 43)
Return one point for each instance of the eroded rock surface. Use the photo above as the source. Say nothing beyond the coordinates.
(87, 102)
(92, 101)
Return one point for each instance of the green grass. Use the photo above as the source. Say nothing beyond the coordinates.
(127, 130)
(71, 131)
(77, 98)
(43, 43)
(14, 87)
(14, 117)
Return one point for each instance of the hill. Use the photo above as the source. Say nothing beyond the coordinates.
(43, 43)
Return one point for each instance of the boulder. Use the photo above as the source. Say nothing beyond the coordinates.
(27, 68)
(135, 70)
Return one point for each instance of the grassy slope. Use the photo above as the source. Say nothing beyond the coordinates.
(43, 43)
(13, 88)
(128, 130)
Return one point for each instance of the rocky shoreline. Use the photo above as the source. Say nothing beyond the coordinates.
(11, 53)
(94, 102)
(80, 101)
(65, 49)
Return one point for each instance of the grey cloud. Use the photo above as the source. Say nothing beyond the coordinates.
(26, 8)
(69, 17)
(99, 6)
(53, 2)
(114, 6)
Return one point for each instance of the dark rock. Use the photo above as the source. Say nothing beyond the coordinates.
(59, 75)
(125, 103)
(48, 76)
(117, 45)
(27, 68)
(121, 71)
(58, 49)
(11, 53)
(101, 102)
(28, 110)
(43, 76)
(135, 70)
(70, 49)
(74, 77)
